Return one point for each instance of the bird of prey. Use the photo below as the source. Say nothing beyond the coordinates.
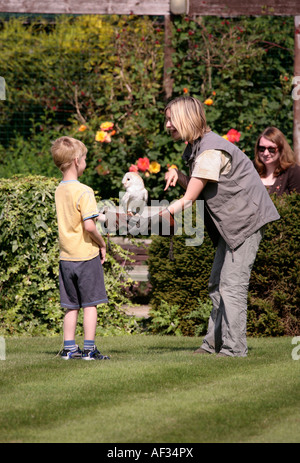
(136, 195)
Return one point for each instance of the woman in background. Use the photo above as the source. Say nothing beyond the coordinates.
(275, 162)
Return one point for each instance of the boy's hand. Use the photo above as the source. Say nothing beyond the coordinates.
(102, 253)
(90, 226)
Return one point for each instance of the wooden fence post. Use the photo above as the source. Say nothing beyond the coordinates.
(168, 82)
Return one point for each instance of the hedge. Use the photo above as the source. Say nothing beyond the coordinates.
(273, 303)
(29, 292)
(29, 295)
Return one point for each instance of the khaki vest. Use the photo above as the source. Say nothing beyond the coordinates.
(238, 204)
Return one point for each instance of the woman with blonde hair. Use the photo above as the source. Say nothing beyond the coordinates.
(237, 207)
(275, 162)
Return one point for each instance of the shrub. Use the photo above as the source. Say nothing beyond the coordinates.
(242, 74)
(29, 294)
(183, 280)
(274, 296)
(273, 303)
(201, 316)
(164, 320)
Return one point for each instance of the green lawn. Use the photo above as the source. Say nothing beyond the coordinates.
(153, 390)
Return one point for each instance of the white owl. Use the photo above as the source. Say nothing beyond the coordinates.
(136, 195)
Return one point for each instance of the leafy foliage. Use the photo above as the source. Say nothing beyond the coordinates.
(164, 320)
(70, 75)
(183, 280)
(242, 68)
(274, 300)
(201, 316)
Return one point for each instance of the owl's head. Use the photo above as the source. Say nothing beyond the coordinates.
(132, 179)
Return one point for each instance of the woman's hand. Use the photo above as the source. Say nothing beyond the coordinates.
(171, 177)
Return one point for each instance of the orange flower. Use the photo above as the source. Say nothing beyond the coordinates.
(106, 126)
(143, 164)
(208, 102)
(185, 90)
(82, 128)
(102, 137)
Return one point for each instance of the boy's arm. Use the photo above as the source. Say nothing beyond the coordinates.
(90, 226)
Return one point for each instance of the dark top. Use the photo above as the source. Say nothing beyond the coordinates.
(287, 182)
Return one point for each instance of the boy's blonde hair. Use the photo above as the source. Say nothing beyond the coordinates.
(65, 149)
(188, 117)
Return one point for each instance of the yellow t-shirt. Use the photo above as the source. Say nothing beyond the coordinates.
(75, 202)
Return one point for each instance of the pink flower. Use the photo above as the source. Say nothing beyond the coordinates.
(133, 168)
(233, 136)
(143, 164)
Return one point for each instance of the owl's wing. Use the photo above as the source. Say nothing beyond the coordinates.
(124, 201)
(145, 195)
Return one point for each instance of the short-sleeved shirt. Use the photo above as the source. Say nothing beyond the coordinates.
(211, 164)
(75, 203)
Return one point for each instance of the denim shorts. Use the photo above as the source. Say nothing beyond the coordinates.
(81, 284)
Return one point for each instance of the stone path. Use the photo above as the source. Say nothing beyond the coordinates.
(138, 311)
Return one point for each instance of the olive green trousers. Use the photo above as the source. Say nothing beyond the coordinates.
(228, 290)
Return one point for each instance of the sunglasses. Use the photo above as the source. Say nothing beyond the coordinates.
(262, 149)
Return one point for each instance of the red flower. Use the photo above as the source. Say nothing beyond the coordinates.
(133, 168)
(233, 135)
(143, 164)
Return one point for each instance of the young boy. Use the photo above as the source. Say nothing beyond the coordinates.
(82, 249)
